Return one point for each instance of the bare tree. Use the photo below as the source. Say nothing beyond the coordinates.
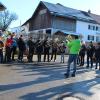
(6, 18)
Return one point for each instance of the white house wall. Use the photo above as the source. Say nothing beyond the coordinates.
(82, 27)
(25, 28)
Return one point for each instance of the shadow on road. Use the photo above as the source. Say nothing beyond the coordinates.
(63, 91)
(51, 73)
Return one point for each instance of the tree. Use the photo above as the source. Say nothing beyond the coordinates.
(6, 18)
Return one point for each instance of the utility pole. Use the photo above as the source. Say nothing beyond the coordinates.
(20, 26)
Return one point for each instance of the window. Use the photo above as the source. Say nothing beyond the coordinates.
(88, 26)
(91, 27)
(96, 28)
(91, 37)
(43, 11)
(98, 37)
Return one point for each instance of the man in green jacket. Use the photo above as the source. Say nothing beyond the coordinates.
(74, 47)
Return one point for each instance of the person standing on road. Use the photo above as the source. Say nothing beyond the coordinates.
(39, 50)
(62, 51)
(8, 47)
(82, 54)
(90, 52)
(31, 46)
(21, 47)
(1, 50)
(97, 55)
(74, 47)
(54, 51)
(13, 49)
(46, 50)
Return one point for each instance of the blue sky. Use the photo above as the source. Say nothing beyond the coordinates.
(25, 8)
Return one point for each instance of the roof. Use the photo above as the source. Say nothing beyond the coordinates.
(2, 7)
(59, 9)
(95, 17)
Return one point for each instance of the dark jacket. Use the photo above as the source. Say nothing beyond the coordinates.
(31, 45)
(1, 45)
(62, 48)
(97, 52)
(82, 50)
(39, 47)
(90, 50)
(46, 47)
(21, 44)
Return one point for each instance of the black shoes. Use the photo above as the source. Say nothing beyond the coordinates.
(73, 75)
(67, 75)
(95, 67)
(87, 66)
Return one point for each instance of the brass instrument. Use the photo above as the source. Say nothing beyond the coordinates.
(69, 38)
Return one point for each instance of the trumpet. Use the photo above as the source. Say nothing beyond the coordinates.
(69, 38)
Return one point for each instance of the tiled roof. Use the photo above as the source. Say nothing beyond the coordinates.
(67, 12)
(95, 17)
(60, 10)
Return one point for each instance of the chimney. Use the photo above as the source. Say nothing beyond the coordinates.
(89, 11)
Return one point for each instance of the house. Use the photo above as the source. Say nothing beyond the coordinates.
(20, 30)
(2, 7)
(49, 19)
